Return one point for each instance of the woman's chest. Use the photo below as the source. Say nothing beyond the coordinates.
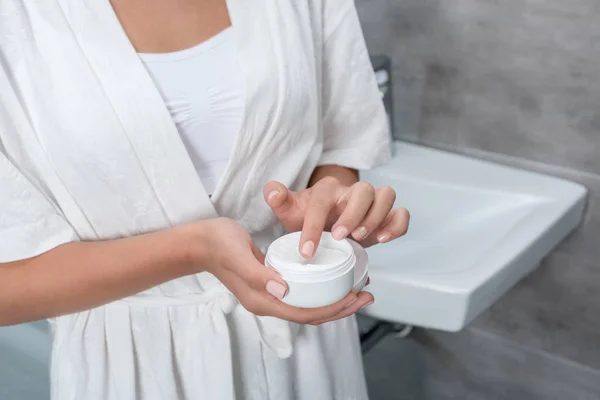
(157, 26)
(76, 71)
(106, 131)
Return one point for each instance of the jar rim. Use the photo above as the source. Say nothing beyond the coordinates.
(298, 269)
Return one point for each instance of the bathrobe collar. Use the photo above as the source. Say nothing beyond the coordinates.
(142, 113)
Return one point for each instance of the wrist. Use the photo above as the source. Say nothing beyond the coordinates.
(192, 246)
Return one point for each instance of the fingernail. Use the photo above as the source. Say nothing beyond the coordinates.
(340, 233)
(276, 289)
(272, 195)
(367, 305)
(308, 249)
(385, 237)
(360, 233)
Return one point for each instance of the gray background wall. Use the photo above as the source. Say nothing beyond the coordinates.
(516, 81)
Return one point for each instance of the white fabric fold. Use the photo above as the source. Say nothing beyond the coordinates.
(88, 151)
(275, 334)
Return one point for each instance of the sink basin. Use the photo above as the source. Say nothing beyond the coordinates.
(477, 228)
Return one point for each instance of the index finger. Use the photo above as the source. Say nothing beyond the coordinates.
(321, 202)
(308, 315)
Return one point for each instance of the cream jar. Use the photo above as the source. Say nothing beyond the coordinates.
(337, 268)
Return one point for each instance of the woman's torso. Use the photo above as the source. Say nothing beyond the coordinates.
(204, 93)
(83, 122)
(101, 131)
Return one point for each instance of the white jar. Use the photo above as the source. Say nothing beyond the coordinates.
(337, 268)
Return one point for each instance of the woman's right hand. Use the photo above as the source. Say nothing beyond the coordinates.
(227, 251)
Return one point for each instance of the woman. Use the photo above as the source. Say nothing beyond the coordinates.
(149, 152)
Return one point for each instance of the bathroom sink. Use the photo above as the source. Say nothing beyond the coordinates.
(477, 228)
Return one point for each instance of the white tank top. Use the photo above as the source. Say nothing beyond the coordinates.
(203, 90)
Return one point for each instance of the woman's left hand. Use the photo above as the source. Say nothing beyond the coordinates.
(360, 211)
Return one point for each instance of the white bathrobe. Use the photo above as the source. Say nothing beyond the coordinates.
(88, 151)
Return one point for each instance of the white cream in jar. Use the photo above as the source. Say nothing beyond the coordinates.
(337, 268)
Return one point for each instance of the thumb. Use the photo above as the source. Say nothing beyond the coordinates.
(267, 278)
(260, 257)
(279, 198)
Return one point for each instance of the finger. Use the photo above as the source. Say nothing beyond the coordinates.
(381, 207)
(371, 240)
(396, 225)
(277, 197)
(364, 299)
(305, 315)
(359, 202)
(321, 202)
(252, 300)
(259, 255)
(260, 277)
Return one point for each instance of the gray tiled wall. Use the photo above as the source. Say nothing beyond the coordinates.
(518, 82)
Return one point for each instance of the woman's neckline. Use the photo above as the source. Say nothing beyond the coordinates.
(190, 52)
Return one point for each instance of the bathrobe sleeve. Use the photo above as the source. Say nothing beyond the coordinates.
(29, 224)
(355, 125)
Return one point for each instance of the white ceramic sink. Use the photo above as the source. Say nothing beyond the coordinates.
(477, 228)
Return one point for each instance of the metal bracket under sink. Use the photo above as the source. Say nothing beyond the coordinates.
(379, 331)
